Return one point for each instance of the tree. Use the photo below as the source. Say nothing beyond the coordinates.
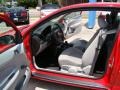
(2, 1)
(28, 3)
(51, 1)
(60, 2)
(40, 3)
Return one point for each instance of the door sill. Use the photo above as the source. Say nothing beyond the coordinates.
(60, 72)
(66, 81)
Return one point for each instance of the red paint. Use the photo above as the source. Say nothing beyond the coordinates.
(111, 78)
(115, 71)
(10, 32)
(106, 80)
(6, 19)
(24, 13)
(4, 47)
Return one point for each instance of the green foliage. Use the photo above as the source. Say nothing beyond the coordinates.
(51, 1)
(27, 3)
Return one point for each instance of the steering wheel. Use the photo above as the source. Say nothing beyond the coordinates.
(58, 35)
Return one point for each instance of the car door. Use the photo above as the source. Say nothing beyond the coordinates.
(14, 66)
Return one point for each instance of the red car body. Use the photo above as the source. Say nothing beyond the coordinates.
(110, 80)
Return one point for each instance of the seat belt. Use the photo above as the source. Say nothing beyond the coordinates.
(100, 43)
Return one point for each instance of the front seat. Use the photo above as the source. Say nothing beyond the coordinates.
(74, 60)
(75, 57)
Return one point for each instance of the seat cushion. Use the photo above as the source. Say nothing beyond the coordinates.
(71, 56)
(80, 44)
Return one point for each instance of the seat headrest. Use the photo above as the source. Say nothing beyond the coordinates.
(112, 20)
(101, 21)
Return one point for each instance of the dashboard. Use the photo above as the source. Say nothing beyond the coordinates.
(44, 36)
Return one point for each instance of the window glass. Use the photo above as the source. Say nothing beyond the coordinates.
(6, 33)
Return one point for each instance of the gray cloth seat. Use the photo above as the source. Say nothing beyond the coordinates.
(71, 56)
(75, 57)
(80, 44)
(74, 60)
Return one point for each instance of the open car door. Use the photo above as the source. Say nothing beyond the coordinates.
(14, 66)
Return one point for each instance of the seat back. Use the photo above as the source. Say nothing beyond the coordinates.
(101, 21)
(89, 53)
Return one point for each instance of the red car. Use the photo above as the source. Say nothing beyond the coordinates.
(88, 59)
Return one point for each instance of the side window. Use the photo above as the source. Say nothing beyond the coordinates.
(7, 35)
